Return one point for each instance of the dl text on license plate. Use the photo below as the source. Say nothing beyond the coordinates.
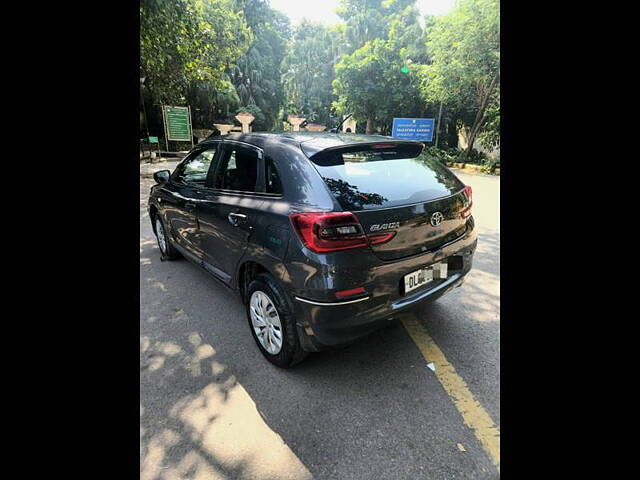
(423, 276)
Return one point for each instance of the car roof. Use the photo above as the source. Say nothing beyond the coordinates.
(310, 142)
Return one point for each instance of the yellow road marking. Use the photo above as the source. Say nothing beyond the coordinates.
(474, 415)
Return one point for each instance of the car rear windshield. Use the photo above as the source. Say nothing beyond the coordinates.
(372, 178)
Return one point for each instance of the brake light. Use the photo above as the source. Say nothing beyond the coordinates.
(324, 232)
(467, 210)
(383, 145)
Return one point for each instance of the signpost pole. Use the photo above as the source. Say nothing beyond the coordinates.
(438, 126)
(166, 135)
(190, 126)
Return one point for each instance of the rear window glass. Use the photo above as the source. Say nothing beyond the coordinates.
(363, 180)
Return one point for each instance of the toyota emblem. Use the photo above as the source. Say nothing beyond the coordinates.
(436, 219)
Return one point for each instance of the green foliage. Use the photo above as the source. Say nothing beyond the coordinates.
(464, 50)
(381, 62)
(364, 21)
(185, 48)
(444, 155)
(490, 165)
(257, 74)
(254, 110)
(308, 70)
(188, 40)
(489, 137)
(453, 155)
(474, 156)
(464, 47)
(364, 79)
(368, 20)
(370, 84)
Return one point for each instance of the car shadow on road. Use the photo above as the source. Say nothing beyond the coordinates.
(368, 410)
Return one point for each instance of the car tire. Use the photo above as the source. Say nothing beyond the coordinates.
(167, 250)
(290, 351)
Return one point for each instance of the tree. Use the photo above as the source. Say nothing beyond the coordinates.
(464, 47)
(308, 70)
(185, 40)
(371, 83)
(185, 48)
(489, 137)
(364, 21)
(367, 20)
(256, 75)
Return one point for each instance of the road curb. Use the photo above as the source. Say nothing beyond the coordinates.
(470, 172)
(472, 168)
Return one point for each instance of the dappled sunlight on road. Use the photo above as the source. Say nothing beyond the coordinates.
(480, 293)
(214, 431)
(479, 298)
(222, 417)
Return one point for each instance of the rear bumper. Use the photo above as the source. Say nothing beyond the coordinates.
(324, 323)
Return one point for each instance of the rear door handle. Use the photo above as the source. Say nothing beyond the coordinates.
(190, 205)
(234, 218)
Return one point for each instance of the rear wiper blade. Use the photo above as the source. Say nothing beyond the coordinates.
(335, 130)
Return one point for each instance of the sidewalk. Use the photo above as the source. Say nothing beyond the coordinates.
(148, 169)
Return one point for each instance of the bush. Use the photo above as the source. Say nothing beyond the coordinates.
(444, 155)
(475, 157)
(449, 156)
(490, 165)
(224, 120)
(252, 109)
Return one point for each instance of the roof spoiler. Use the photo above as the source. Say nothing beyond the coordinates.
(399, 149)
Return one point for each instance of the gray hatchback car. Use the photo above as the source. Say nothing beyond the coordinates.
(325, 236)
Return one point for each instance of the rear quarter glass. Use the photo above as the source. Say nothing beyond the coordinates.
(367, 178)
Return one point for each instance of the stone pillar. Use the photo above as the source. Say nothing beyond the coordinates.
(224, 128)
(350, 124)
(245, 119)
(295, 122)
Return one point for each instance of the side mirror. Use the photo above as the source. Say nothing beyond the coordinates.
(162, 176)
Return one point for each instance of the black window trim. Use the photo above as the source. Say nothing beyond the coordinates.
(260, 182)
(190, 156)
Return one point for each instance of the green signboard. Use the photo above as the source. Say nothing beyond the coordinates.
(177, 122)
(153, 139)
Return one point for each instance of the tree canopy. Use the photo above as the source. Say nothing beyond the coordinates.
(464, 68)
(382, 61)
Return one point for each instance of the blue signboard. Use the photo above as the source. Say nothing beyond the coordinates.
(413, 129)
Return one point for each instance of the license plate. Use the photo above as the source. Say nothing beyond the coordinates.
(424, 276)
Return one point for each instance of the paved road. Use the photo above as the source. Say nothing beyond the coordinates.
(212, 408)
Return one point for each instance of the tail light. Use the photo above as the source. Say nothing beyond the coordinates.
(324, 232)
(467, 210)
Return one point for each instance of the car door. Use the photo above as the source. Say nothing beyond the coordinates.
(185, 191)
(228, 213)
